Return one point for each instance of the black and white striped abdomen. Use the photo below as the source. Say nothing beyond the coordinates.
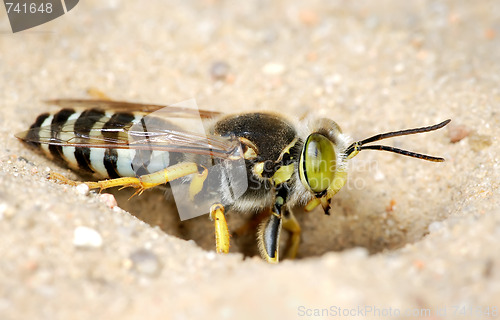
(83, 140)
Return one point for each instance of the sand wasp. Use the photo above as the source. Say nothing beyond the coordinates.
(285, 164)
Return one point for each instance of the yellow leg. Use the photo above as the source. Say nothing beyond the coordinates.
(291, 224)
(197, 183)
(62, 179)
(221, 230)
(141, 183)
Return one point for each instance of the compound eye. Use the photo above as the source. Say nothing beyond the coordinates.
(317, 163)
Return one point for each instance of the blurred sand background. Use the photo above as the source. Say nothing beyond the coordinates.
(405, 235)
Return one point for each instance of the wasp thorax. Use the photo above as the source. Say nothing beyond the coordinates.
(317, 163)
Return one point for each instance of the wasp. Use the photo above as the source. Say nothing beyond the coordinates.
(286, 164)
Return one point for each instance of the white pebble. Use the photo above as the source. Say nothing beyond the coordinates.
(273, 68)
(108, 199)
(219, 70)
(211, 255)
(356, 253)
(83, 189)
(399, 67)
(85, 237)
(435, 226)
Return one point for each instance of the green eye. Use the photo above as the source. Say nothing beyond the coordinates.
(317, 163)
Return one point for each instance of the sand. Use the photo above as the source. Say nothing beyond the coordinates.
(407, 239)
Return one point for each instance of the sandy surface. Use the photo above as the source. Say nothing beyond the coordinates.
(405, 237)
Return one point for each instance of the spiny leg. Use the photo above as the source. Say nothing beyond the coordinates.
(141, 183)
(291, 224)
(62, 179)
(221, 230)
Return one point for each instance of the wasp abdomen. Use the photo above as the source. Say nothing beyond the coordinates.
(63, 136)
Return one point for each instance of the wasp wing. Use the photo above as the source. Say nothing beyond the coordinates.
(139, 135)
(124, 106)
(225, 181)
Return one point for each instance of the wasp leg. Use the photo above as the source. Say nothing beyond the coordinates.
(221, 230)
(269, 238)
(269, 232)
(140, 183)
(197, 183)
(291, 224)
(62, 179)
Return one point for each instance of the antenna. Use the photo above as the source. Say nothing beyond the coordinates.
(356, 147)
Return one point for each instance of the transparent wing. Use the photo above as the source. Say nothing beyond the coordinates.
(158, 135)
(225, 180)
(124, 106)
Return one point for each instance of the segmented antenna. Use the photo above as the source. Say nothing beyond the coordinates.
(354, 148)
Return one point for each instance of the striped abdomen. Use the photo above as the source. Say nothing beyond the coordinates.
(94, 141)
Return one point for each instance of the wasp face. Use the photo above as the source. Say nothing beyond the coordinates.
(317, 164)
(322, 162)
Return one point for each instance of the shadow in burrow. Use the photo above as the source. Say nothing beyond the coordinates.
(352, 223)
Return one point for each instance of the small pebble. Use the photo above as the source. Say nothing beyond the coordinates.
(273, 69)
(145, 262)
(457, 132)
(356, 253)
(211, 255)
(436, 225)
(399, 67)
(108, 199)
(85, 237)
(83, 189)
(219, 70)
